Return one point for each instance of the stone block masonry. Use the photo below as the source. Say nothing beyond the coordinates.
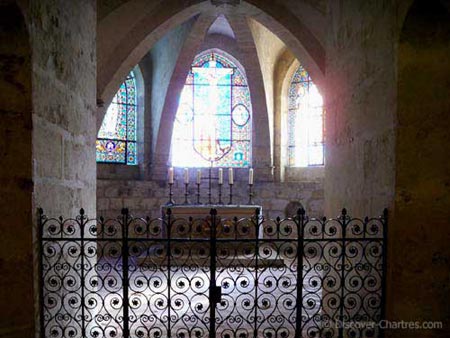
(145, 198)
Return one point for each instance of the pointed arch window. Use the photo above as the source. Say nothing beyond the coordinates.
(305, 122)
(116, 140)
(213, 121)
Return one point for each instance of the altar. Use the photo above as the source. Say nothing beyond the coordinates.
(193, 220)
(224, 211)
(232, 221)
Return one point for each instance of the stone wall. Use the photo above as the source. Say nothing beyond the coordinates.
(64, 104)
(47, 128)
(63, 36)
(360, 98)
(387, 143)
(420, 227)
(144, 198)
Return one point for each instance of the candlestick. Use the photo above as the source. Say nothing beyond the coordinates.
(186, 193)
(250, 176)
(198, 191)
(171, 201)
(220, 176)
(231, 193)
(171, 175)
(250, 194)
(209, 184)
(186, 175)
(230, 176)
(220, 185)
(220, 192)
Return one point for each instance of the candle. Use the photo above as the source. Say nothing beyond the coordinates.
(186, 175)
(250, 176)
(220, 176)
(199, 176)
(170, 175)
(230, 176)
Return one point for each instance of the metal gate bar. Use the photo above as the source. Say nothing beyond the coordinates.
(108, 278)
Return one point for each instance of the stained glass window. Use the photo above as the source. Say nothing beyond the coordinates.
(213, 121)
(116, 140)
(305, 122)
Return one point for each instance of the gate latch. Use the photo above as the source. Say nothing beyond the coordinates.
(215, 294)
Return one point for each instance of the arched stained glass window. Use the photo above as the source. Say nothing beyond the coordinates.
(116, 140)
(305, 122)
(213, 122)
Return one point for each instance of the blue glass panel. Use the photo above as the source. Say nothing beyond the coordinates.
(131, 123)
(223, 105)
(202, 100)
(131, 153)
(223, 127)
(224, 79)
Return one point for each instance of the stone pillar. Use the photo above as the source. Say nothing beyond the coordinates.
(63, 41)
(16, 185)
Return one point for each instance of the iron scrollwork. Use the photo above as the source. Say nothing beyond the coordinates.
(211, 276)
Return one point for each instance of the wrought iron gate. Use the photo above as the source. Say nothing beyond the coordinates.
(212, 277)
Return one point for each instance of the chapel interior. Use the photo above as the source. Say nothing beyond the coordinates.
(330, 104)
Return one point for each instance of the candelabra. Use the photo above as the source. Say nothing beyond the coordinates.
(250, 194)
(210, 179)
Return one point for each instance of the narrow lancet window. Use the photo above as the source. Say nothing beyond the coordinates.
(305, 122)
(116, 140)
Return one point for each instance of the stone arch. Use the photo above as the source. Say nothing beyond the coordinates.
(422, 166)
(289, 29)
(261, 138)
(141, 118)
(288, 73)
(115, 59)
(16, 188)
(284, 66)
(162, 133)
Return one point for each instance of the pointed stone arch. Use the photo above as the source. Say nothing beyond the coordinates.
(117, 58)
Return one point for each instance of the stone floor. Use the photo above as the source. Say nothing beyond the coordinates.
(275, 296)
